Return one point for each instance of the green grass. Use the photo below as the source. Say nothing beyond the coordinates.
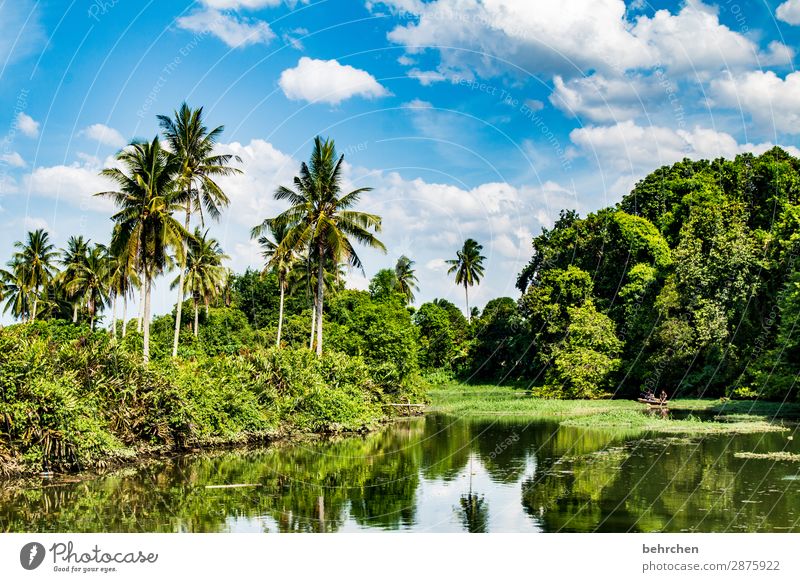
(725, 416)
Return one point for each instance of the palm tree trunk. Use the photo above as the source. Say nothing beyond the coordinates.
(124, 315)
(35, 304)
(91, 314)
(466, 294)
(196, 318)
(280, 317)
(320, 304)
(114, 317)
(75, 313)
(146, 320)
(179, 307)
(313, 323)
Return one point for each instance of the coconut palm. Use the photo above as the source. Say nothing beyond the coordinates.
(323, 221)
(72, 259)
(122, 281)
(146, 231)
(406, 278)
(35, 259)
(14, 291)
(280, 262)
(90, 283)
(205, 276)
(193, 145)
(468, 267)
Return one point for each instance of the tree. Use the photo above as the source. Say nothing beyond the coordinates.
(406, 278)
(468, 267)
(122, 281)
(35, 260)
(205, 276)
(280, 261)
(146, 231)
(90, 283)
(384, 286)
(193, 146)
(322, 221)
(73, 258)
(15, 291)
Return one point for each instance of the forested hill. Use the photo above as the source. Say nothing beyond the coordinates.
(691, 284)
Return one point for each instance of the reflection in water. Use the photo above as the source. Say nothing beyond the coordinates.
(438, 474)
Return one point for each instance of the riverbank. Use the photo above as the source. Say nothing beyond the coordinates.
(686, 416)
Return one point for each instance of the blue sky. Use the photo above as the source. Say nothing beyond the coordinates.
(470, 118)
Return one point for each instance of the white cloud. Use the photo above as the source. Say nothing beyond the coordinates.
(437, 265)
(557, 37)
(599, 98)
(27, 125)
(21, 32)
(13, 159)
(789, 12)
(417, 104)
(74, 184)
(330, 82)
(34, 223)
(768, 99)
(233, 30)
(534, 105)
(238, 4)
(105, 135)
(426, 78)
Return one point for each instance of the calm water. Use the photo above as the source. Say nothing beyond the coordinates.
(439, 474)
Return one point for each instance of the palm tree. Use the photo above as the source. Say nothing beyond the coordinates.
(205, 276)
(468, 267)
(122, 280)
(90, 283)
(321, 221)
(281, 262)
(145, 229)
(72, 259)
(193, 145)
(35, 259)
(14, 291)
(406, 278)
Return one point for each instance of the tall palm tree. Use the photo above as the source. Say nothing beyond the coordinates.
(36, 258)
(122, 281)
(323, 221)
(193, 145)
(406, 278)
(205, 276)
(145, 230)
(280, 261)
(468, 267)
(14, 291)
(90, 284)
(72, 259)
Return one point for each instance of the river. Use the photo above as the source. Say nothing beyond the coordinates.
(438, 474)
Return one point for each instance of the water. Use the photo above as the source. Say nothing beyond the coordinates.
(438, 474)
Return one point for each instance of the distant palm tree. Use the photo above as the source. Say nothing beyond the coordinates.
(468, 267)
(72, 259)
(322, 221)
(90, 283)
(121, 284)
(205, 276)
(406, 278)
(35, 259)
(281, 262)
(14, 291)
(145, 229)
(193, 145)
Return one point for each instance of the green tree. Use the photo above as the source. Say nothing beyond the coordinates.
(468, 267)
(280, 261)
(323, 221)
(73, 258)
(90, 283)
(35, 259)
(437, 338)
(406, 278)
(193, 145)
(145, 231)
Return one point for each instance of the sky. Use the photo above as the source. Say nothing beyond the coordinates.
(468, 118)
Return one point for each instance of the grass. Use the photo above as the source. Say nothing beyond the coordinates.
(725, 416)
(775, 456)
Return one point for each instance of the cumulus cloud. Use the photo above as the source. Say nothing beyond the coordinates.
(104, 134)
(599, 98)
(789, 12)
(27, 125)
(557, 37)
(768, 99)
(233, 30)
(74, 184)
(330, 82)
(13, 159)
(238, 4)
